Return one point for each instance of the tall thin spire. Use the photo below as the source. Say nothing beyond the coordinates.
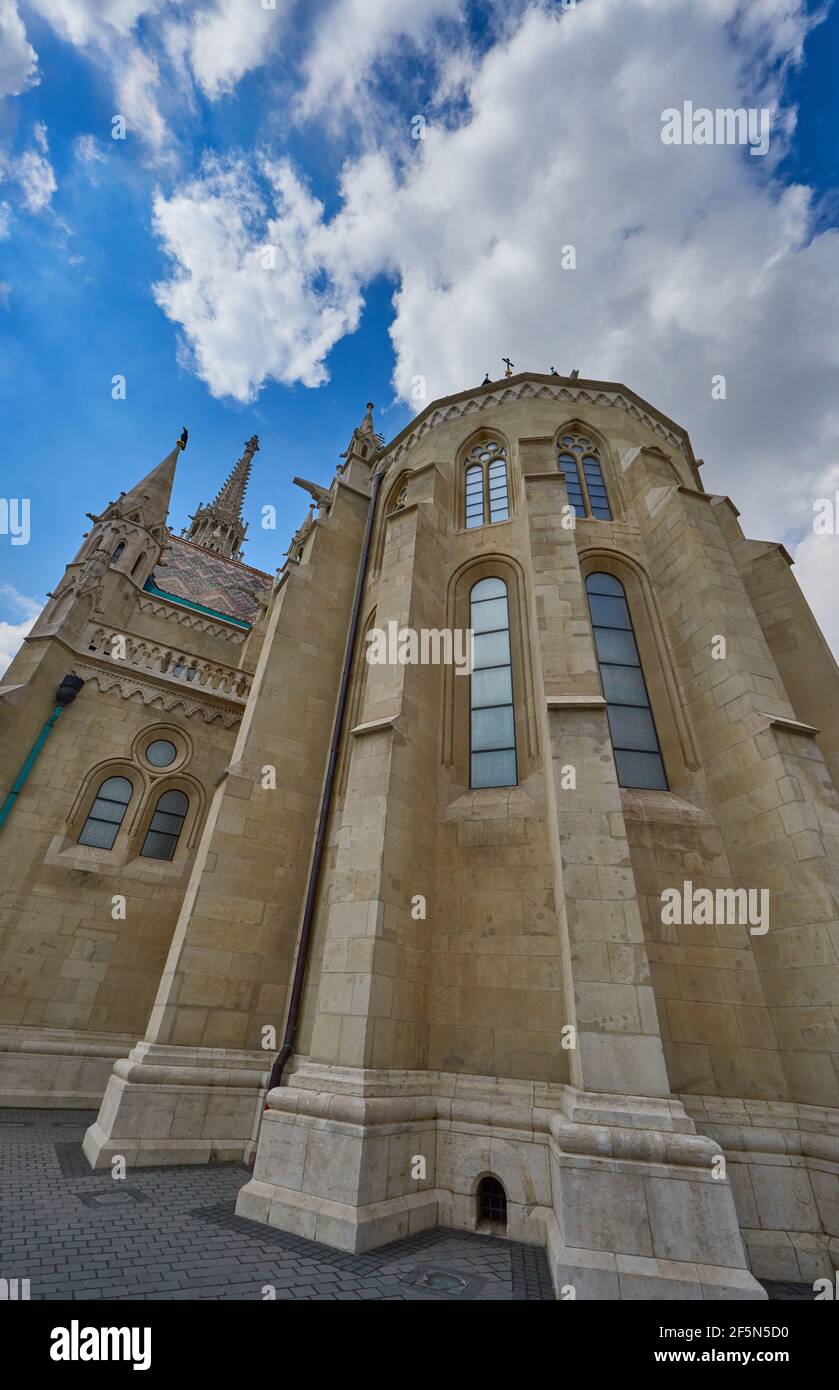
(219, 526)
(147, 503)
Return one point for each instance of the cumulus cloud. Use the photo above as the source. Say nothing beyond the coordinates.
(20, 606)
(18, 59)
(691, 262)
(227, 40)
(352, 37)
(234, 236)
(154, 51)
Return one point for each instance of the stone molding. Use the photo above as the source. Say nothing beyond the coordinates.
(575, 702)
(524, 390)
(128, 685)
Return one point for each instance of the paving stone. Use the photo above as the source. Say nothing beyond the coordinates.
(177, 1236)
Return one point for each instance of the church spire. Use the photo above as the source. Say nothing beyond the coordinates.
(147, 503)
(219, 526)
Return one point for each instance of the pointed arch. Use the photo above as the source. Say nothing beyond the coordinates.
(455, 711)
(584, 458)
(484, 491)
(657, 656)
(391, 499)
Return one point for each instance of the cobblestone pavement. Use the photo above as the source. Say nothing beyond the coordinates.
(170, 1233)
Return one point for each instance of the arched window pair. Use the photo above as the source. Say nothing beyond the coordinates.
(108, 812)
(579, 461)
(487, 490)
(492, 725)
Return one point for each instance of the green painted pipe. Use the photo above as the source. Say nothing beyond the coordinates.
(32, 758)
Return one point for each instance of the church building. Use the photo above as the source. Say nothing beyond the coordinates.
(547, 947)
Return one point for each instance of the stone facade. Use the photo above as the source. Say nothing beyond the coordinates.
(492, 988)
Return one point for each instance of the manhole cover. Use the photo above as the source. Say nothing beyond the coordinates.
(442, 1282)
(120, 1197)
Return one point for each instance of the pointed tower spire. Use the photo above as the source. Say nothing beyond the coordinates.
(365, 442)
(147, 503)
(219, 526)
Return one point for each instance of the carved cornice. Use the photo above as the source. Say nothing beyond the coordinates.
(576, 394)
(128, 684)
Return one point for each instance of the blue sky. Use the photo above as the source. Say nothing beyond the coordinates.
(400, 260)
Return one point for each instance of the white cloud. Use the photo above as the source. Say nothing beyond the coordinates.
(153, 50)
(355, 34)
(105, 30)
(89, 150)
(227, 40)
(690, 261)
(5, 218)
(18, 59)
(220, 230)
(83, 22)
(33, 173)
(137, 88)
(13, 633)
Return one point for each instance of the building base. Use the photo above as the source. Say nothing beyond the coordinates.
(58, 1068)
(179, 1105)
(783, 1165)
(621, 1190)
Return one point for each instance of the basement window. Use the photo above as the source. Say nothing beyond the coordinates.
(492, 1203)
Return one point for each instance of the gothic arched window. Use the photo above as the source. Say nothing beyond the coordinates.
(579, 460)
(634, 738)
(487, 487)
(107, 813)
(117, 552)
(492, 730)
(165, 826)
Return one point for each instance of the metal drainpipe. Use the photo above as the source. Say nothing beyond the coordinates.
(65, 695)
(326, 798)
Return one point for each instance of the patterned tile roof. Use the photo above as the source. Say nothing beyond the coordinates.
(190, 572)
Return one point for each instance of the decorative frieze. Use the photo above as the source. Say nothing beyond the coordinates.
(524, 390)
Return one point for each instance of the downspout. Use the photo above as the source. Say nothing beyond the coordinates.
(65, 695)
(301, 959)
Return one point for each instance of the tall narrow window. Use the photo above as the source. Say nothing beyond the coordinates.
(571, 473)
(107, 813)
(634, 739)
(499, 505)
(474, 497)
(487, 487)
(118, 552)
(579, 460)
(492, 737)
(165, 826)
